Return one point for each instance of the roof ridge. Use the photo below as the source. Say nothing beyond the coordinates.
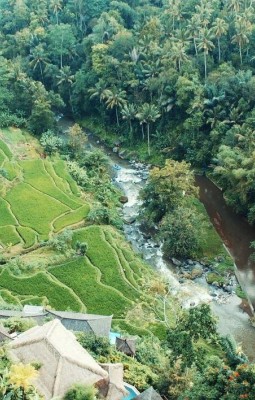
(91, 369)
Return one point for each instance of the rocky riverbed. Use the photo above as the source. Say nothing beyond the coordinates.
(188, 279)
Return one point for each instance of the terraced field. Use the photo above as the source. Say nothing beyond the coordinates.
(38, 197)
(105, 281)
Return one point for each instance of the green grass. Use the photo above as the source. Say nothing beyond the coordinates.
(2, 158)
(12, 169)
(59, 182)
(36, 176)
(102, 255)
(6, 218)
(71, 218)
(9, 236)
(83, 278)
(61, 171)
(5, 149)
(8, 297)
(28, 236)
(34, 209)
(40, 284)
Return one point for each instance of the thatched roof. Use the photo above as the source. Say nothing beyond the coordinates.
(4, 334)
(27, 312)
(100, 325)
(116, 389)
(149, 394)
(64, 361)
(126, 345)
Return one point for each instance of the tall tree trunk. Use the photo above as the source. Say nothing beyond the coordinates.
(142, 131)
(61, 51)
(240, 53)
(40, 66)
(130, 131)
(117, 116)
(148, 138)
(195, 45)
(219, 49)
(205, 62)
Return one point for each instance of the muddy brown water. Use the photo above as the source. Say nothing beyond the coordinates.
(234, 230)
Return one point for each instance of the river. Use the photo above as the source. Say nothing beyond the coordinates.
(131, 178)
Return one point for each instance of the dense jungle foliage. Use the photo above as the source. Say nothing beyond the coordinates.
(177, 73)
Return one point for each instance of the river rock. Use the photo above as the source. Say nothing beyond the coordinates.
(176, 262)
(197, 271)
(115, 149)
(190, 262)
(122, 154)
(123, 199)
(129, 220)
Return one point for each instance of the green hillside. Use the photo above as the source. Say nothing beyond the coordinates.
(38, 196)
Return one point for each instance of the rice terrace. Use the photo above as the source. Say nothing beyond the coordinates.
(39, 199)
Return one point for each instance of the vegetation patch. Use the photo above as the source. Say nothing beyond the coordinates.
(9, 235)
(81, 276)
(40, 284)
(71, 218)
(28, 236)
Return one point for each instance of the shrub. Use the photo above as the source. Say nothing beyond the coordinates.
(80, 392)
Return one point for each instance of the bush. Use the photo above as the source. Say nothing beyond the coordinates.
(80, 392)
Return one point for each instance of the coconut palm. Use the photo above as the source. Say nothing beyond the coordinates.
(115, 98)
(241, 37)
(205, 44)
(193, 30)
(38, 58)
(128, 113)
(220, 28)
(98, 90)
(148, 113)
(56, 6)
(178, 54)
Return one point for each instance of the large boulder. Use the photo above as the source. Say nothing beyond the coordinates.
(123, 199)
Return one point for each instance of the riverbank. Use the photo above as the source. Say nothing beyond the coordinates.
(131, 178)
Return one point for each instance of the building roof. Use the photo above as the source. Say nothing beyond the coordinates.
(126, 345)
(149, 394)
(4, 334)
(116, 388)
(64, 361)
(100, 324)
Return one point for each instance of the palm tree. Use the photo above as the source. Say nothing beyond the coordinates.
(220, 28)
(148, 113)
(56, 6)
(128, 113)
(241, 37)
(66, 79)
(193, 30)
(115, 98)
(98, 91)
(39, 58)
(178, 54)
(206, 45)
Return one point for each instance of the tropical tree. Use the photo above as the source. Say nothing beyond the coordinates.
(148, 114)
(220, 28)
(205, 44)
(115, 98)
(56, 6)
(178, 54)
(39, 58)
(99, 90)
(241, 36)
(128, 113)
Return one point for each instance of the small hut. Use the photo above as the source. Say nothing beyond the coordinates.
(126, 345)
(149, 394)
